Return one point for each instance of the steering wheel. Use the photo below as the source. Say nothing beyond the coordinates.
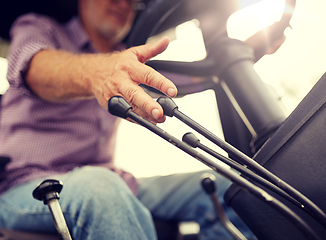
(227, 68)
(160, 15)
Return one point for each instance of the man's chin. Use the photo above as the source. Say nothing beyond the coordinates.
(114, 35)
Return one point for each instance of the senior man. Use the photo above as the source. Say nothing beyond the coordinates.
(55, 124)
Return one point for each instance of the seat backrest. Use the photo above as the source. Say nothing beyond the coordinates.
(296, 154)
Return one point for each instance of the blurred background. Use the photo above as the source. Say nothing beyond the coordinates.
(290, 73)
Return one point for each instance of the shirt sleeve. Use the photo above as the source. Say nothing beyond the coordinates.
(29, 34)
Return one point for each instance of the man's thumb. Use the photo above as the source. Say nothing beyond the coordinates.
(148, 51)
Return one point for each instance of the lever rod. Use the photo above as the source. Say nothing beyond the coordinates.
(209, 186)
(171, 109)
(194, 142)
(48, 192)
(117, 102)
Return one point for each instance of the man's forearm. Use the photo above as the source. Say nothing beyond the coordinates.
(56, 76)
(60, 76)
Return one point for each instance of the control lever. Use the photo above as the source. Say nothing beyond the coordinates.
(171, 109)
(194, 142)
(208, 184)
(119, 107)
(48, 192)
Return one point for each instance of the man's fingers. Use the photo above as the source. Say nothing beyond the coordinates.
(141, 101)
(145, 74)
(148, 51)
(132, 71)
(148, 76)
(149, 117)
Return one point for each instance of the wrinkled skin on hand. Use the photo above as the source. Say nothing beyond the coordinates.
(120, 73)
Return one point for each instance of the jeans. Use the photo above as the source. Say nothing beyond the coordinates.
(97, 204)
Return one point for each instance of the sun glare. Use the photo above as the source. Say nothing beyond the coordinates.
(245, 22)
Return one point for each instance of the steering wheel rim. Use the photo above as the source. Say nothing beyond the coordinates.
(151, 20)
(152, 17)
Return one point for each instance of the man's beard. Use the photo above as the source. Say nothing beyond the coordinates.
(113, 33)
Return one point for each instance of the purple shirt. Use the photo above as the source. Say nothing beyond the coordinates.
(44, 138)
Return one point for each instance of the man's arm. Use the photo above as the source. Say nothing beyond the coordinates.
(60, 76)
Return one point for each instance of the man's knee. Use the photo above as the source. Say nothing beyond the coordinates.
(95, 185)
(93, 195)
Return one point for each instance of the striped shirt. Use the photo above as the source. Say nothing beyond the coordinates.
(44, 138)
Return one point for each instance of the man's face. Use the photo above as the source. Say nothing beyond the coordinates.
(111, 19)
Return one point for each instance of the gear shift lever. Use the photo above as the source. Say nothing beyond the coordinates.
(119, 107)
(48, 192)
(210, 188)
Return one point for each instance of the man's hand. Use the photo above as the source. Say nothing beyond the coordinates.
(60, 76)
(121, 73)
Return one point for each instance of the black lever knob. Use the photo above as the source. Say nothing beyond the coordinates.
(190, 139)
(47, 190)
(119, 107)
(208, 183)
(168, 105)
